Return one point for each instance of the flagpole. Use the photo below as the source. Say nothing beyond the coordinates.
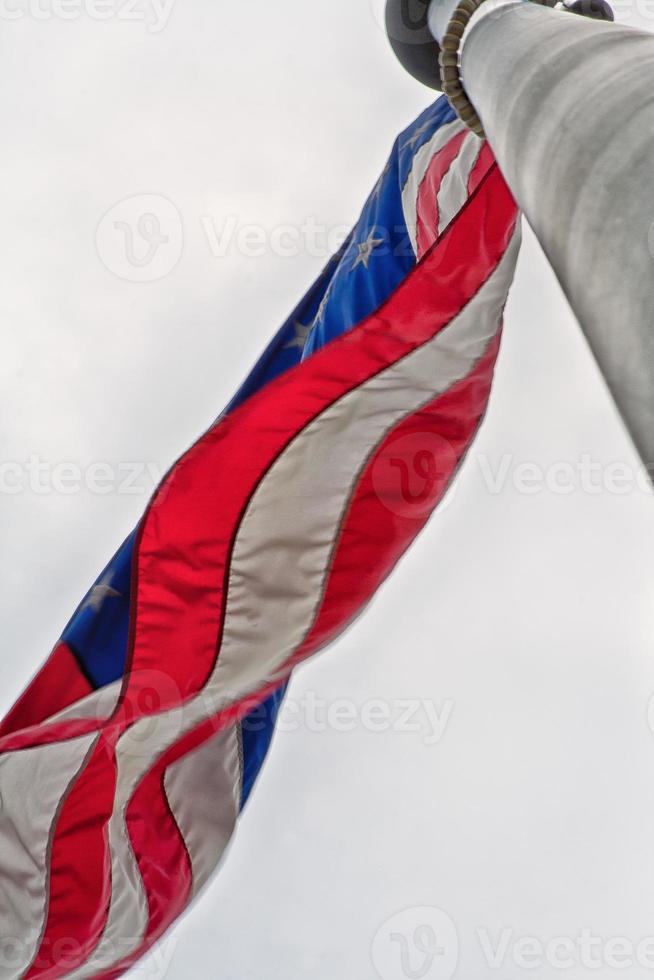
(566, 103)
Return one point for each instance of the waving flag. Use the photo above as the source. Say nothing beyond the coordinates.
(126, 763)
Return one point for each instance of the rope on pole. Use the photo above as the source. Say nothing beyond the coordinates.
(450, 61)
(451, 65)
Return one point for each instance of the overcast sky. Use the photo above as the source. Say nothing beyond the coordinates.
(522, 621)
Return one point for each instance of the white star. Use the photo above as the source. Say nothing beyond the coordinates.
(323, 304)
(99, 593)
(366, 250)
(302, 332)
(416, 136)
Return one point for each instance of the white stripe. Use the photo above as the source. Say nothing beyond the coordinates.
(282, 552)
(32, 784)
(453, 192)
(421, 162)
(204, 795)
(99, 705)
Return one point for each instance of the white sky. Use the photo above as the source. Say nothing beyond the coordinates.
(531, 613)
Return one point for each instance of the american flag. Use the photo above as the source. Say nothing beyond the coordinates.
(126, 763)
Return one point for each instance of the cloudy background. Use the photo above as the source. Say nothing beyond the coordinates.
(523, 619)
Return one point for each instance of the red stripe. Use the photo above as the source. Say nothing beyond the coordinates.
(59, 683)
(427, 213)
(179, 605)
(482, 165)
(80, 870)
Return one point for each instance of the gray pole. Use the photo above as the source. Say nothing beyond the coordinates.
(568, 107)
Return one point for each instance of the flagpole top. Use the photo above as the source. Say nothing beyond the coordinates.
(407, 26)
(416, 30)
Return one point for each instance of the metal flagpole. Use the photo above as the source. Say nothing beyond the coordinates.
(567, 104)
